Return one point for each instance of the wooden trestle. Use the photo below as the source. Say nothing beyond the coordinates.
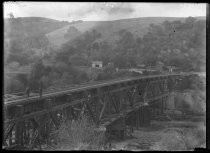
(118, 107)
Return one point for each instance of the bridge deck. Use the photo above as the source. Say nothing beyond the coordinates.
(83, 87)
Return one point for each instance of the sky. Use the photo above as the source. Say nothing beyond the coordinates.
(102, 11)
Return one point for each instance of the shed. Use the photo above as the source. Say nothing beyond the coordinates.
(97, 64)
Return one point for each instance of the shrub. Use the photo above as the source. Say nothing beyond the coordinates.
(181, 139)
(80, 135)
(13, 85)
(194, 137)
(171, 142)
(45, 81)
(104, 76)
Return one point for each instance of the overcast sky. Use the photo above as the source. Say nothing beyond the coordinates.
(92, 11)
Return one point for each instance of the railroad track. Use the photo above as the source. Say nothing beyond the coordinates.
(22, 95)
(80, 87)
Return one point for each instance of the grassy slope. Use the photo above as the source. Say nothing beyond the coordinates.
(56, 37)
(30, 26)
(108, 29)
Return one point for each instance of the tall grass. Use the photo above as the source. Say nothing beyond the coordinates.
(194, 137)
(80, 135)
(170, 141)
(181, 139)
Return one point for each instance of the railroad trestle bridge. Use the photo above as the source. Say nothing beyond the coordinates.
(113, 106)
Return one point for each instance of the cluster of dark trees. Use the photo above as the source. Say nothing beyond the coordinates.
(180, 44)
(175, 43)
(22, 35)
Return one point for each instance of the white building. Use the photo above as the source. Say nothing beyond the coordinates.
(97, 64)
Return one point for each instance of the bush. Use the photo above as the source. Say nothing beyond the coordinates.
(80, 135)
(193, 101)
(45, 81)
(171, 141)
(13, 85)
(181, 139)
(81, 77)
(104, 76)
(194, 137)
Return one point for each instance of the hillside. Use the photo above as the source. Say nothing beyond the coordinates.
(31, 25)
(179, 42)
(108, 29)
(29, 30)
(26, 35)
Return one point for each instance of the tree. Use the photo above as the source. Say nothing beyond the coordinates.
(126, 40)
(11, 16)
(190, 21)
(71, 32)
(36, 74)
(65, 52)
(14, 65)
(95, 45)
(17, 52)
(61, 67)
(36, 41)
(78, 60)
(81, 77)
(45, 81)
(23, 79)
(120, 61)
(13, 85)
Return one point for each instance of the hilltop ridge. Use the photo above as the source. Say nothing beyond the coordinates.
(108, 29)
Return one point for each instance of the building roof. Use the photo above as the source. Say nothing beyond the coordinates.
(173, 67)
(97, 62)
